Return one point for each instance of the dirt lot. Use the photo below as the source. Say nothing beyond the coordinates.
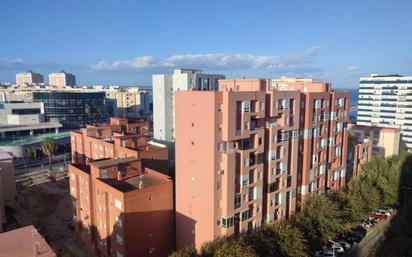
(47, 206)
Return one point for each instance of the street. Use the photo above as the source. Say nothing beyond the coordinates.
(371, 239)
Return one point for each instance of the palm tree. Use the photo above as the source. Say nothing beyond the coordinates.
(48, 147)
(31, 153)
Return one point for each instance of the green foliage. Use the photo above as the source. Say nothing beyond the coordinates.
(235, 249)
(319, 220)
(48, 147)
(31, 152)
(187, 252)
(209, 248)
(279, 239)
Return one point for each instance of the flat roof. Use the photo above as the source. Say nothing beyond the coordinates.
(24, 242)
(363, 127)
(5, 155)
(112, 162)
(133, 183)
(28, 140)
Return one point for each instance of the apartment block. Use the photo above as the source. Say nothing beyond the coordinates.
(385, 141)
(29, 78)
(164, 88)
(119, 138)
(247, 153)
(323, 137)
(62, 79)
(132, 103)
(7, 184)
(386, 101)
(122, 209)
(359, 153)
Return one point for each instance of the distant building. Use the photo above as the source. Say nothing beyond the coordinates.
(131, 102)
(73, 108)
(122, 204)
(386, 101)
(164, 88)
(359, 153)
(7, 186)
(248, 153)
(29, 78)
(62, 79)
(385, 141)
(25, 242)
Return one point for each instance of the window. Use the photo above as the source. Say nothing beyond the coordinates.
(118, 204)
(119, 239)
(119, 222)
(238, 201)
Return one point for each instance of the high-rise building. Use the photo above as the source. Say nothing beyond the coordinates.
(164, 88)
(246, 154)
(122, 201)
(324, 136)
(386, 101)
(29, 78)
(62, 79)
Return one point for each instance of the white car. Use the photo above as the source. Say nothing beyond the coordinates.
(344, 244)
(334, 246)
(384, 212)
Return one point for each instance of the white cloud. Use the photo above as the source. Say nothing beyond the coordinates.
(352, 68)
(6, 64)
(297, 62)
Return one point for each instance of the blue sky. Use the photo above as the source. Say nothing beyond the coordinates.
(124, 42)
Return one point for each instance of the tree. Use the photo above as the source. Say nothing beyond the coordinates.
(31, 152)
(318, 220)
(279, 239)
(189, 251)
(208, 249)
(48, 147)
(236, 248)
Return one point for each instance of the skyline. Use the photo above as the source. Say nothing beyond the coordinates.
(126, 43)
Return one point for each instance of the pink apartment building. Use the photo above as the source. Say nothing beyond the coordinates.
(246, 154)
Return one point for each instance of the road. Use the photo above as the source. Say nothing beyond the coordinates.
(371, 239)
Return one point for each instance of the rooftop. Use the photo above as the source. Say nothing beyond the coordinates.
(373, 128)
(28, 140)
(133, 183)
(24, 242)
(112, 162)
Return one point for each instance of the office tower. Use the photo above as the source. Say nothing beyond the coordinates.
(62, 79)
(247, 153)
(385, 101)
(164, 88)
(29, 78)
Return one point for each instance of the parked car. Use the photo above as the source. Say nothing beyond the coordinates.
(379, 217)
(389, 209)
(346, 245)
(325, 253)
(334, 246)
(384, 212)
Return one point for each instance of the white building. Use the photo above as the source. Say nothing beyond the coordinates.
(29, 78)
(386, 101)
(20, 118)
(164, 86)
(62, 79)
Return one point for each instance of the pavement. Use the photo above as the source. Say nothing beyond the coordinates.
(373, 236)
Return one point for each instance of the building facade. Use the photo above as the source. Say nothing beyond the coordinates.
(117, 139)
(29, 78)
(122, 209)
(132, 102)
(385, 141)
(62, 79)
(7, 184)
(386, 101)
(73, 109)
(359, 153)
(258, 150)
(164, 88)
